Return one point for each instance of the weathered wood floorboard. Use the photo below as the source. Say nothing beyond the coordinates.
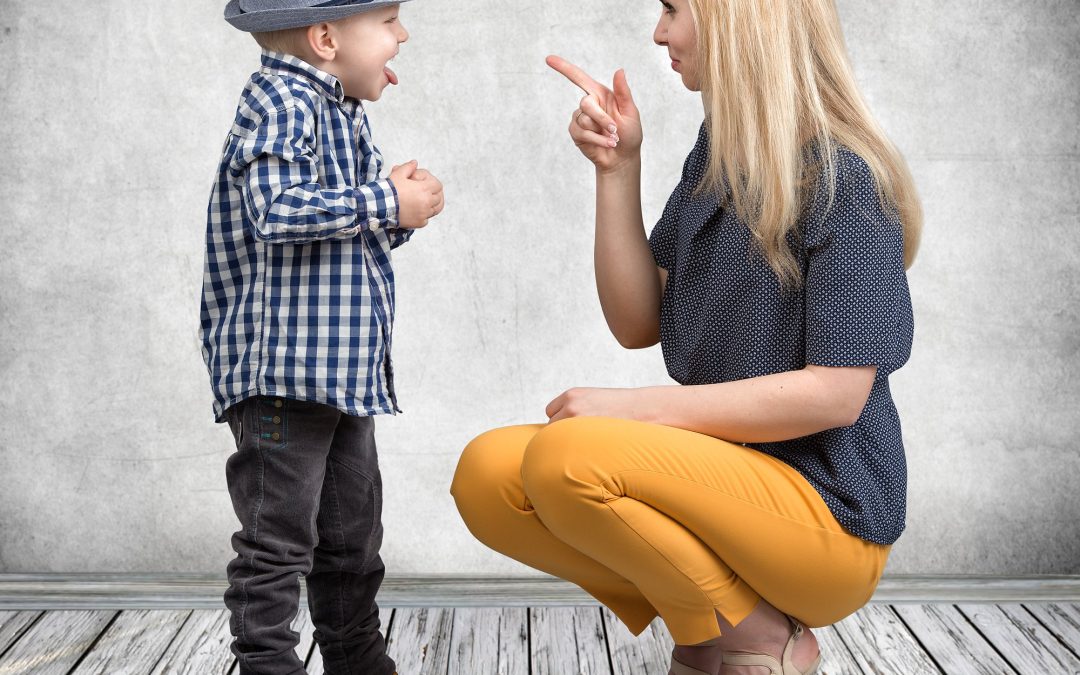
(134, 643)
(881, 644)
(55, 643)
(200, 648)
(567, 640)
(907, 639)
(952, 641)
(419, 640)
(492, 640)
(646, 654)
(836, 658)
(1061, 619)
(13, 624)
(1024, 642)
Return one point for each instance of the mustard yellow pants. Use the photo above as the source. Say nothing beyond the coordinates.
(650, 519)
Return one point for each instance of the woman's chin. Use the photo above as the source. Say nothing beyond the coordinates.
(689, 83)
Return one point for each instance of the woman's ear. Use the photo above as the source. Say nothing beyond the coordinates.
(322, 40)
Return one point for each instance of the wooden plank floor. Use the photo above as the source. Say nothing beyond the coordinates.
(899, 639)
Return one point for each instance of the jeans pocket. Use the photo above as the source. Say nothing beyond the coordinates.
(272, 422)
(375, 536)
(236, 423)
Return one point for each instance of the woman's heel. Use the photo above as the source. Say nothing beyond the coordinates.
(782, 667)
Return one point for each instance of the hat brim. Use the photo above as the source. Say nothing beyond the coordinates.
(283, 19)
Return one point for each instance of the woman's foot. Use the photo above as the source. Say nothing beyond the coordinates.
(706, 657)
(767, 631)
(803, 653)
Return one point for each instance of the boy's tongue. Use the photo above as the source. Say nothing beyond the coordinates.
(390, 75)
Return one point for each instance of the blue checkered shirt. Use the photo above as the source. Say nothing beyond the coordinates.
(298, 290)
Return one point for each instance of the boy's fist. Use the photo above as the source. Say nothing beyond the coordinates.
(420, 195)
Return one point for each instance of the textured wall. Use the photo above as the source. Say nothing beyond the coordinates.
(115, 113)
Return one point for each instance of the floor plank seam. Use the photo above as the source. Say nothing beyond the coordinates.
(918, 641)
(987, 640)
(179, 632)
(90, 648)
(24, 631)
(1053, 633)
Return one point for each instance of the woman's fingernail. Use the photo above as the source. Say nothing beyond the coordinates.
(612, 142)
(612, 128)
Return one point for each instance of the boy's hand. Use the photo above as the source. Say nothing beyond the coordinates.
(420, 195)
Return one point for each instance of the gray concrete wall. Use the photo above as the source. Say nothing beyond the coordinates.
(114, 114)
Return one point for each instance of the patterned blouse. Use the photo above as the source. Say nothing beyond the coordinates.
(725, 317)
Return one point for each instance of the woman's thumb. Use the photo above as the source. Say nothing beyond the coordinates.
(622, 91)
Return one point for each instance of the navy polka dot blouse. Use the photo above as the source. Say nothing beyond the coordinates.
(724, 317)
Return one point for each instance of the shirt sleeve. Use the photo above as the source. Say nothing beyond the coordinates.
(398, 235)
(858, 307)
(282, 197)
(662, 239)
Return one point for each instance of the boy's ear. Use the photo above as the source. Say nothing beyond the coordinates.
(322, 39)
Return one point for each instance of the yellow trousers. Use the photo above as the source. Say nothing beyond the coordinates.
(650, 519)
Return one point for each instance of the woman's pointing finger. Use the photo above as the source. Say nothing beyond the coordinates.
(575, 75)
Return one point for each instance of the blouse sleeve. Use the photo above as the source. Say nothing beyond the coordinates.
(662, 237)
(858, 307)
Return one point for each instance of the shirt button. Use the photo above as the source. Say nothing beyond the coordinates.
(276, 436)
(277, 420)
(374, 223)
(278, 403)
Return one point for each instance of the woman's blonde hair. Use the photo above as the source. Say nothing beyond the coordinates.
(775, 77)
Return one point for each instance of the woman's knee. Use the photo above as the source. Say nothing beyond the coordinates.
(556, 452)
(488, 463)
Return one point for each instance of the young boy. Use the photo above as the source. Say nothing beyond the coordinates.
(297, 316)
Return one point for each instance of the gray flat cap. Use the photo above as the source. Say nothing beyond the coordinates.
(256, 16)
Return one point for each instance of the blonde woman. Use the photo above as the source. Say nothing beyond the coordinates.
(761, 495)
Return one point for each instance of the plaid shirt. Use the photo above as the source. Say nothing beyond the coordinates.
(298, 291)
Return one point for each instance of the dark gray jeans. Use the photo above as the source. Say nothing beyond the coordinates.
(306, 487)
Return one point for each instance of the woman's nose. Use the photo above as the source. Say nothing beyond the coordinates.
(659, 35)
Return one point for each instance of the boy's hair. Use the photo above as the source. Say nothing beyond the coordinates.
(284, 41)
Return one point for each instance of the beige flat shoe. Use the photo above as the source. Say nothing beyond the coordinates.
(784, 667)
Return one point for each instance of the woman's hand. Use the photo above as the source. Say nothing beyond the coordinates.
(606, 125)
(587, 402)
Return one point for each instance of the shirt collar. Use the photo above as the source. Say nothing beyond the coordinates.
(325, 83)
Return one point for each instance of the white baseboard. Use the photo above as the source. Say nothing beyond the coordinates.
(189, 591)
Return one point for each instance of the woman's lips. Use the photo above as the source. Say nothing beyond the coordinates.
(675, 65)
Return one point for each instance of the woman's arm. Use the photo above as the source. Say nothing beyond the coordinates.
(606, 128)
(626, 273)
(762, 409)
